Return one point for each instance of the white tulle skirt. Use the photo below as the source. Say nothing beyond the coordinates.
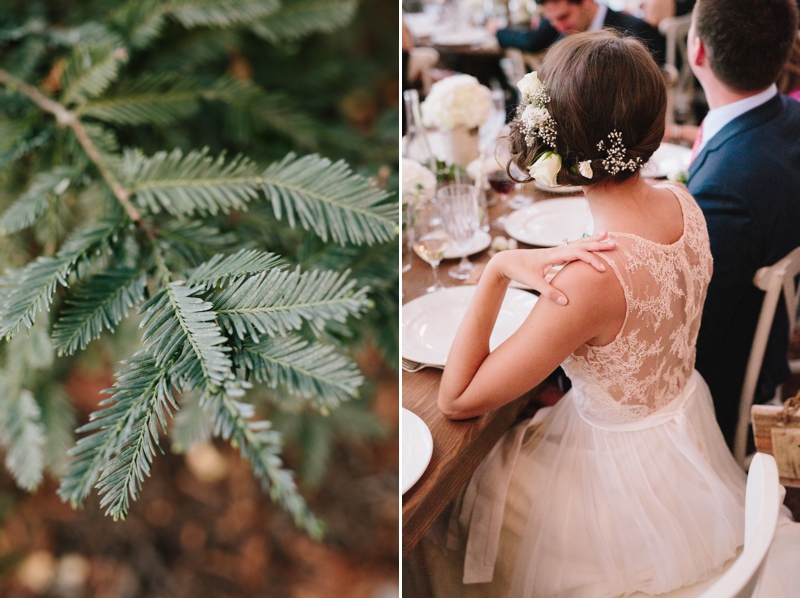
(584, 509)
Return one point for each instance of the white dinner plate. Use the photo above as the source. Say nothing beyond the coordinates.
(417, 447)
(430, 322)
(668, 159)
(480, 241)
(560, 189)
(549, 222)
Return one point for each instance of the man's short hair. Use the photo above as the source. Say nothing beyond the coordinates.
(747, 42)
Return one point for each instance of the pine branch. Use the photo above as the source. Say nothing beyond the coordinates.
(261, 446)
(140, 21)
(25, 292)
(309, 370)
(279, 301)
(22, 434)
(90, 70)
(123, 476)
(250, 109)
(220, 269)
(180, 327)
(329, 199)
(190, 243)
(220, 13)
(99, 303)
(299, 18)
(194, 183)
(68, 118)
(141, 392)
(35, 200)
(151, 99)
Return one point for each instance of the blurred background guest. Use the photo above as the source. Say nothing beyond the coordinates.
(562, 17)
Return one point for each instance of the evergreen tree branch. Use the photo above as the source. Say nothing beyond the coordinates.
(68, 118)
(261, 446)
(309, 370)
(26, 291)
(246, 262)
(139, 389)
(22, 434)
(34, 201)
(99, 303)
(124, 474)
(279, 301)
(299, 18)
(329, 199)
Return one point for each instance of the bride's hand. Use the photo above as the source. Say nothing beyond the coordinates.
(530, 266)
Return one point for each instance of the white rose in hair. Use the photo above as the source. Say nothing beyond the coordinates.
(457, 101)
(545, 169)
(585, 168)
(529, 84)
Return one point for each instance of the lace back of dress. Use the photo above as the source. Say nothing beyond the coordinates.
(651, 359)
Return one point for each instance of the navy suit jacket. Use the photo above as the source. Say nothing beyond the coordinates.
(747, 182)
(541, 38)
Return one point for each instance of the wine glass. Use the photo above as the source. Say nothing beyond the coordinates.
(431, 237)
(462, 220)
(520, 200)
(501, 184)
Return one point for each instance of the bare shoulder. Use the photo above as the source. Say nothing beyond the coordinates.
(596, 297)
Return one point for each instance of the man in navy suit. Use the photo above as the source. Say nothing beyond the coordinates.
(562, 17)
(746, 177)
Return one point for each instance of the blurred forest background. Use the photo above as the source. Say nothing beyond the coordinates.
(325, 81)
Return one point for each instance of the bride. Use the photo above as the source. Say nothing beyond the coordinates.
(627, 484)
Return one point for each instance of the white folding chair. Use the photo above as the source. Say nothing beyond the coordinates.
(779, 278)
(741, 578)
(680, 81)
(762, 502)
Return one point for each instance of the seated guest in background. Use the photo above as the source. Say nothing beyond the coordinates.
(788, 83)
(746, 178)
(562, 17)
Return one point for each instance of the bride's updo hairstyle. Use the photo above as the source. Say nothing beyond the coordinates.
(598, 82)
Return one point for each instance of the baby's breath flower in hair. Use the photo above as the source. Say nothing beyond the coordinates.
(535, 119)
(616, 155)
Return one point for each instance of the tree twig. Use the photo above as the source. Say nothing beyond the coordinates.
(68, 118)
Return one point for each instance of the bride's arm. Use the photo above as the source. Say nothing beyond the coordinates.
(476, 381)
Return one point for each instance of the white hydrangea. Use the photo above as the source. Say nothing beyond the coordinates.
(418, 181)
(457, 101)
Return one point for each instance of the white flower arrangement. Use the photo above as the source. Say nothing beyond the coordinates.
(457, 101)
(418, 182)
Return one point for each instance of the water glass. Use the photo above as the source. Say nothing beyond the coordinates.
(462, 221)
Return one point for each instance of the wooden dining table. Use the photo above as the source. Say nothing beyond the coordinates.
(458, 446)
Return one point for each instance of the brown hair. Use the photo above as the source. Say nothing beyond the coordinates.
(747, 42)
(598, 82)
(789, 78)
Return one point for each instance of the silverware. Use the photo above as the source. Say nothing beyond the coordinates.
(415, 366)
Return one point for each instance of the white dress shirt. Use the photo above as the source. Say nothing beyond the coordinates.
(599, 18)
(717, 118)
